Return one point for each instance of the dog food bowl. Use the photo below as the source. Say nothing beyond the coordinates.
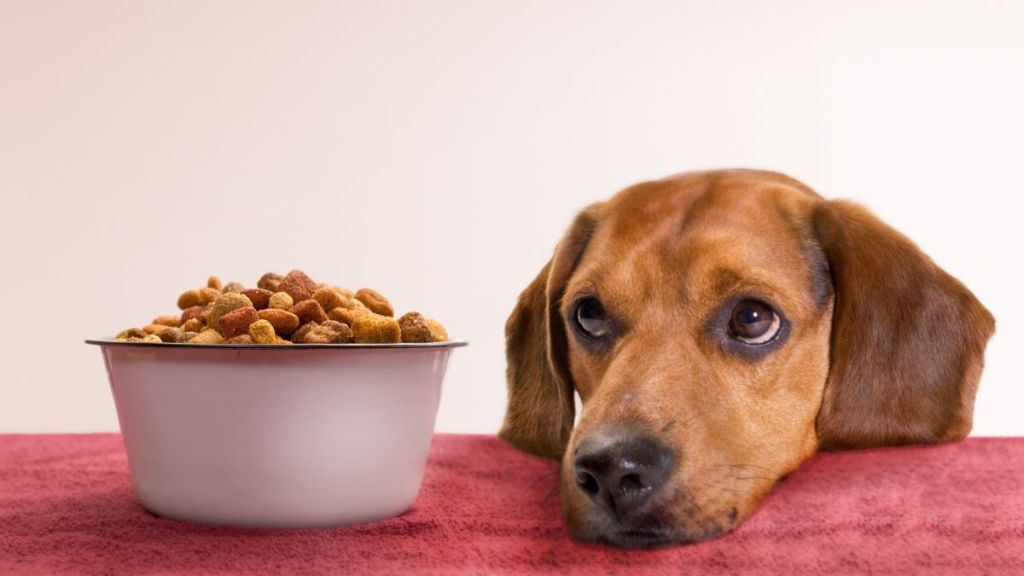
(277, 436)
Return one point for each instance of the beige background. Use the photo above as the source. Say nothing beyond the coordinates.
(437, 150)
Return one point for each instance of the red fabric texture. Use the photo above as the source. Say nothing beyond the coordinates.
(67, 506)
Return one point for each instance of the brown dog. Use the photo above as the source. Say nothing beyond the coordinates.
(720, 327)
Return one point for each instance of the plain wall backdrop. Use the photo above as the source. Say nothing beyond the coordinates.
(436, 151)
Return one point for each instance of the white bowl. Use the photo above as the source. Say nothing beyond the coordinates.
(277, 436)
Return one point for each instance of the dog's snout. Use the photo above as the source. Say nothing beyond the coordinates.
(622, 475)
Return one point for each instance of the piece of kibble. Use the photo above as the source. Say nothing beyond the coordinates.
(191, 312)
(187, 337)
(259, 297)
(329, 298)
(193, 325)
(370, 328)
(131, 333)
(415, 328)
(152, 338)
(279, 340)
(299, 286)
(283, 321)
(213, 282)
(189, 298)
(301, 332)
(171, 334)
(208, 336)
(329, 332)
(342, 332)
(280, 301)
(208, 295)
(375, 302)
(226, 303)
(167, 320)
(233, 288)
(262, 332)
(269, 281)
(237, 321)
(315, 336)
(346, 315)
(345, 292)
(154, 328)
(201, 297)
(239, 339)
(437, 331)
(309, 311)
(354, 304)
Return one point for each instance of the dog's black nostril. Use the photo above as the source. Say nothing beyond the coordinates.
(587, 482)
(621, 476)
(631, 482)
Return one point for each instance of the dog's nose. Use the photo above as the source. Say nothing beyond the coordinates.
(621, 475)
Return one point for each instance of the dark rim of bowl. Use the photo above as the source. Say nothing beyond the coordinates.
(399, 345)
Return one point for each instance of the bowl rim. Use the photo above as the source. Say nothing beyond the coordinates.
(103, 342)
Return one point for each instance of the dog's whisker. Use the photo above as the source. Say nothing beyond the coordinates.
(550, 493)
(744, 466)
(544, 477)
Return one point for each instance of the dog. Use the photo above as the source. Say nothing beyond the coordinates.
(721, 327)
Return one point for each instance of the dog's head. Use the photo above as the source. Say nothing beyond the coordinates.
(719, 328)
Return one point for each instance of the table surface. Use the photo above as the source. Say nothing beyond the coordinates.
(67, 506)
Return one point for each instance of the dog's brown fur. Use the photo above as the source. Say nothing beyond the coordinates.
(882, 347)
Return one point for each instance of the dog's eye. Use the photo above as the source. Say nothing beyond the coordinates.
(590, 317)
(754, 322)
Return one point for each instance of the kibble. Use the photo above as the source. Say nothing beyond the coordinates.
(299, 286)
(284, 310)
(171, 334)
(269, 281)
(237, 321)
(259, 297)
(191, 312)
(193, 325)
(309, 311)
(280, 301)
(375, 302)
(371, 328)
(168, 320)
(346, 315)
(262, 332)
(329, 298)
(415, 328)
(226, 303)
(283, 321)
(208, 336)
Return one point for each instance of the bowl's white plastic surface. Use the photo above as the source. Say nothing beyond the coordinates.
(276, 437)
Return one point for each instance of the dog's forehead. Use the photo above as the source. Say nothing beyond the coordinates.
(703, 225)
(746, 204)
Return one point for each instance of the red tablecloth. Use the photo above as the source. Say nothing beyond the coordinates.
(67, 506)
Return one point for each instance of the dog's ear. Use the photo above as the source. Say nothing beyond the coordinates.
(907, 339)
(541, 407)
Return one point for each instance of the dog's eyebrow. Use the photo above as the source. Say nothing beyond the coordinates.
(728, 280)
(818, 269)
(821, 280)
(724, 280)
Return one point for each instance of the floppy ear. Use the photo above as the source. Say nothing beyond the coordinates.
(907, 340)
(541, 408)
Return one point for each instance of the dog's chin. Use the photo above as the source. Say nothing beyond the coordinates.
(629, 538)
(651, 532)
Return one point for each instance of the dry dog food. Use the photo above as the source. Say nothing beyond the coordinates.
(289, 309)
